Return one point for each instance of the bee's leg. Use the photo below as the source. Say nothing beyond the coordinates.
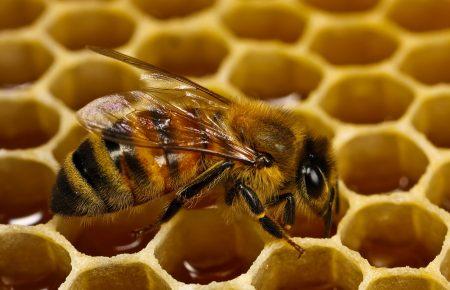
(189, 191)
(266, 222)
(231, 195)
(194, 188)
(289, 208)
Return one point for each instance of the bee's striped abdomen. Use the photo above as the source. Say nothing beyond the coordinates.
(103, 176)
(73, 197)
(89, 183)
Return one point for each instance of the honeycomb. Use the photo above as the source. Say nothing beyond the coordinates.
(373, 75)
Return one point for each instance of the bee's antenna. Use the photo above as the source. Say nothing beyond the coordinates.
(328, 215)
(337, 204)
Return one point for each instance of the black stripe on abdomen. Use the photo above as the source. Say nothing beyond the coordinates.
(85, 162)
(66, 200)
(161, 121)
(92, 162)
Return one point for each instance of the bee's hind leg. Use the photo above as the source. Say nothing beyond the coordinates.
(258, 210)
(194, 188)
(188, 192)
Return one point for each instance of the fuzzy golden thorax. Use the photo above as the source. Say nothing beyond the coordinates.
(279, 134)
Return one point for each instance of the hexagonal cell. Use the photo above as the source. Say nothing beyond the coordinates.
(421, 15)
(19, 13)
(395, 235)
(118, 277)
(314, 227)
(201, 247)
(429, 63)
(269, 74)
(406, 282)
(367, 99)
(164, 9)
(342, 6)
(438, 191)
(111, 235)
(354, 45)
(25, 187)
(432, 119)
(85, 81)
(28, 261)
(265, 22)
(69, 143)
(380, 163)
(22, 62)
(94, 26)
(318, 268)
(195, 53)
(445, 266)
(26, 124)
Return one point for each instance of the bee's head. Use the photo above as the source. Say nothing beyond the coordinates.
(316, 178)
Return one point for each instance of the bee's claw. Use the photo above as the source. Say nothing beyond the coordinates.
(297, 247)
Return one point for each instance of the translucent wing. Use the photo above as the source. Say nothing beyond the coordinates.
(150, 119)
(167, 102)
(158, 79)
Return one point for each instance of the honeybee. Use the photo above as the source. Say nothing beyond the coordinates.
(173, 135)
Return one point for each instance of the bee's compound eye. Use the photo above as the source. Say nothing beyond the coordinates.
(313, 180)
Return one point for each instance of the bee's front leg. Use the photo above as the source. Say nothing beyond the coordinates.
(256, 207)
(289, 208)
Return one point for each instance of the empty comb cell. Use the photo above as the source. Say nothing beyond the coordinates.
(417, 240)
(23, 62)
(26, 124)
(381, 163)
(29, 261)
(271, 74)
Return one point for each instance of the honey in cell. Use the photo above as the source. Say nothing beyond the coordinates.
(111, 240)
(204, 272)
(24, 140)
(380, 253)
(25, 214)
